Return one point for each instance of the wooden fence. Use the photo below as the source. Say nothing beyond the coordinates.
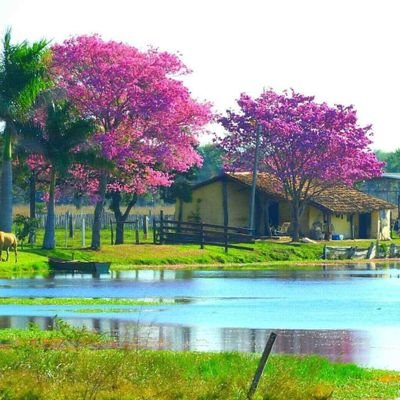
(63, 220)
(171, 231)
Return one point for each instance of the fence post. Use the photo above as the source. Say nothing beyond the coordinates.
(145, 226)
(137, 231)
(161, 227)
(71, 226)
(66, 228)
(154, 231)
(112, 232)
(325, 253)
(83, 232)
(261, 365)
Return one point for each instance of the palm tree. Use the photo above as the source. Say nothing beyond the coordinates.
(56, 139)
(23, 74)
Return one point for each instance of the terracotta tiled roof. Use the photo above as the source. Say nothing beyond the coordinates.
(339, 199)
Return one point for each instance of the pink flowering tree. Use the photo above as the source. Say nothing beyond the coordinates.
(307, 146)
(146, 120)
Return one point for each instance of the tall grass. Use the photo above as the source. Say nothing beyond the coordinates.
(70, 363)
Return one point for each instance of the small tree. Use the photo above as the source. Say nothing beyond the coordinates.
(55, 143)
(25, 226)
(307, 146)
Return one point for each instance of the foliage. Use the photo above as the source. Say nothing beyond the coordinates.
(23, 75)
(55, 138)
(181, 188)
(133, 99)
(146, 120)
(24, 226)
(391, 158)
(212, 162)
(307, 146)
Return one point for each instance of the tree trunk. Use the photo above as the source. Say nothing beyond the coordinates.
(98, 212)
(119, 232)
(32, 204)
(49, 233)
(120, 218)
(267, 227)
(180, 211)
(295, 225)
(6, 183)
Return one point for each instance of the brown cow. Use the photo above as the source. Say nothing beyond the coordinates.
(8, 241)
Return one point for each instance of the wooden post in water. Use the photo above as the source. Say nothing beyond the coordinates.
(261, 365)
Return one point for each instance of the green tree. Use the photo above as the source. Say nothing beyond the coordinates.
(180, 190)
(212, 162)
(392, 160)
(23, 74)
(57, 140)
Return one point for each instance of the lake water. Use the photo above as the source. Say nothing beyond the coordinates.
(348, 313)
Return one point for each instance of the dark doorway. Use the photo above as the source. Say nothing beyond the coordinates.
(274, 214)
(364, 222)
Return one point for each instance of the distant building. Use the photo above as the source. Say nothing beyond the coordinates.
(225, 200)
(385, 187)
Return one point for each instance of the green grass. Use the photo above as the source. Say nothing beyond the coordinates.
(265, 254)
(72, 301)
(105, 310)
(69, 363)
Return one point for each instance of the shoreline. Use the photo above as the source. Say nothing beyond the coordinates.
(284, 265)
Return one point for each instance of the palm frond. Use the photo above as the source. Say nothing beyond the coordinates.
(30, 137)
(23, 72)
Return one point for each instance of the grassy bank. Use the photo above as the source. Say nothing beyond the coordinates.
(80, 301)
(267, 254)
(73, 364)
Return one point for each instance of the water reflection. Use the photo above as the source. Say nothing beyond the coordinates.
(326, 271)
(377, 348)
(346, 312)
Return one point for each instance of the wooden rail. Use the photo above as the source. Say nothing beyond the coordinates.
(170, 231)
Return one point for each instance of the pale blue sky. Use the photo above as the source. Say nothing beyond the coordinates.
(342, 51)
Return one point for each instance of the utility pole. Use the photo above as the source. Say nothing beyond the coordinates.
(253, 186)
